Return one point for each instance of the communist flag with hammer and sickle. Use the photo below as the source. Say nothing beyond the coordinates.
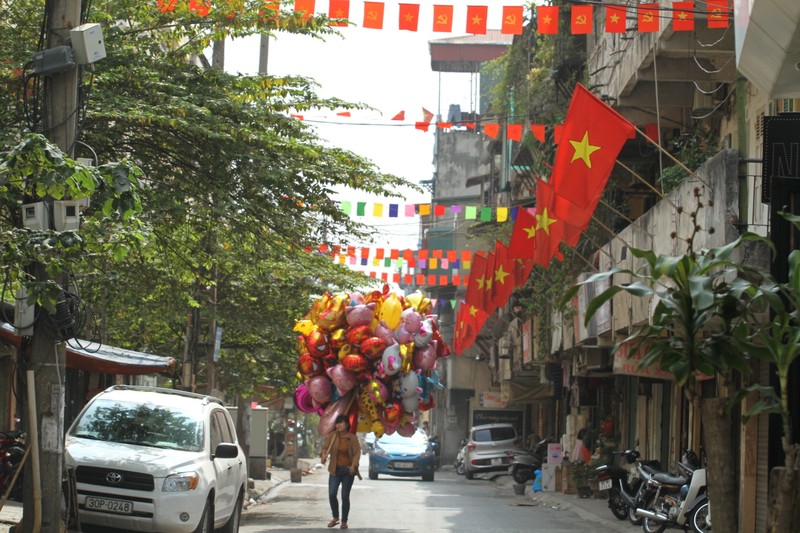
(513, 17)
(373, 15)
(442, 18)
(581, 20)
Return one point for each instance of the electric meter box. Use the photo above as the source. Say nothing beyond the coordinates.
(87, 43)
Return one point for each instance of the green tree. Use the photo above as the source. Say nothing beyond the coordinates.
(234, 190)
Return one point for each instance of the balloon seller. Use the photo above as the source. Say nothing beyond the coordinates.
(344, 451)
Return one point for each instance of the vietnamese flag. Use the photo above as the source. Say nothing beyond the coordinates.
(581, 19)
(522, 236)
(373, 15)
(718, 13)
(488, 285)
(442, 18)
(616, 19)
(503, 275)
(683, 16)
(339, 9)
(592, 137)
(409, 17)
(512, 20)
(547, 19)
(571, 219)
(549, 232)
(648, 18)
(522, 271)
(476, 19)
(477, 281)
(305, 8)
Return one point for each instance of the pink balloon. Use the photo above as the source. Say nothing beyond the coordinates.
(382, 331)
(407, 430)
(303, 400)
(327, 419)
(402, 335)
(320, 389)
(425, 334)
(425, 357)
(412, 320)
(342, 378)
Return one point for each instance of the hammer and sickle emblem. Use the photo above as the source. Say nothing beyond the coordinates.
(647, 17)
(442, 19)
(580, 19)
(371, 15)
(511, 20)
(716, 13)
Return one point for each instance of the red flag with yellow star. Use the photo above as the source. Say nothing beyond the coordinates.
(476, 19)
(409, 17)
(615, 19)
(573, 219)
(477, 281)
(683, 16)
(488, 304)
(548, 235)
(547, 19)
(591, 139)
(503, 275)
(522, 236)
(338, 9)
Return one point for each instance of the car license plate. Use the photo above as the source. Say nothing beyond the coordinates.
(604, 485)
(108, 505)
(497, 461)
(403, 464)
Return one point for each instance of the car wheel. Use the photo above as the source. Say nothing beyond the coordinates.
(232, 525)
(469, 474)
(427, 477)
(373, 475)
(206, 524)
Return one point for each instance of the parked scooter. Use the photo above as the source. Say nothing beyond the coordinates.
(525, 463)
(461, 469)
(12, 450)
(625, 484)
(677, 501)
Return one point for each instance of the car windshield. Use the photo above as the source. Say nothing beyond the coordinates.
(142, 424)
(418, 438)
(494, 434)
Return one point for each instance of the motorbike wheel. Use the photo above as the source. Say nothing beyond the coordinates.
(700, 519)
(460, 469)
(520, 475)
(632, 518)
(617, 506)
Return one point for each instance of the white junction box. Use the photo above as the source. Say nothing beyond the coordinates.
(66, 215)
(34, 216)
(87, 43)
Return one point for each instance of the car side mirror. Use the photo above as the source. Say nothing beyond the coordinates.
(226, 450)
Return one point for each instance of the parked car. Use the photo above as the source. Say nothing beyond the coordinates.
(490, 448)
(153, 459)
(402, 456)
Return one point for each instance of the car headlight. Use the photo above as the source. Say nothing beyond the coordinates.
(380, 452)
(181, 482)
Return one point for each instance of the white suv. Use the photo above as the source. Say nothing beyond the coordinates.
(153, 459)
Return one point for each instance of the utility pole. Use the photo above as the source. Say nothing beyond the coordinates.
(48, 353)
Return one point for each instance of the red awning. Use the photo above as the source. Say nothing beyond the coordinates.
(102, 359)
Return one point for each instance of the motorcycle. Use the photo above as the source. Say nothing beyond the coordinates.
(461, 469)
(12, 451)
(677, 501)
(625, 484)
(525, 464)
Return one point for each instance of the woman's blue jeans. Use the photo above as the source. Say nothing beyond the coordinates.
(341, 477)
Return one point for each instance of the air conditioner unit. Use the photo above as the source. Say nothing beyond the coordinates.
(34, 216)
(66, 215)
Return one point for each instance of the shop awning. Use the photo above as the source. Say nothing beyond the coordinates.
(102, 359)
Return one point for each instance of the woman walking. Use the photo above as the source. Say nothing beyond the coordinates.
(344, 451)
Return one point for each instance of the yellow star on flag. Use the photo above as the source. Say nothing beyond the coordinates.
(476, 20)
(544, 221)
(500, 275)
(614, 18)
(547, 20)
(530, 231)
(473, 311)
(583, 150)
(480, 281)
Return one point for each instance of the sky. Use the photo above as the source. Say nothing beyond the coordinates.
(387, 69)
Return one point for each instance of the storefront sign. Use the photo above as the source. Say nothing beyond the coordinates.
(627, 362)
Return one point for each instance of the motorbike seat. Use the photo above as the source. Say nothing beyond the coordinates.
(669, 479)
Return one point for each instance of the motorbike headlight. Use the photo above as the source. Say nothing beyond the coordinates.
(181, 482)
